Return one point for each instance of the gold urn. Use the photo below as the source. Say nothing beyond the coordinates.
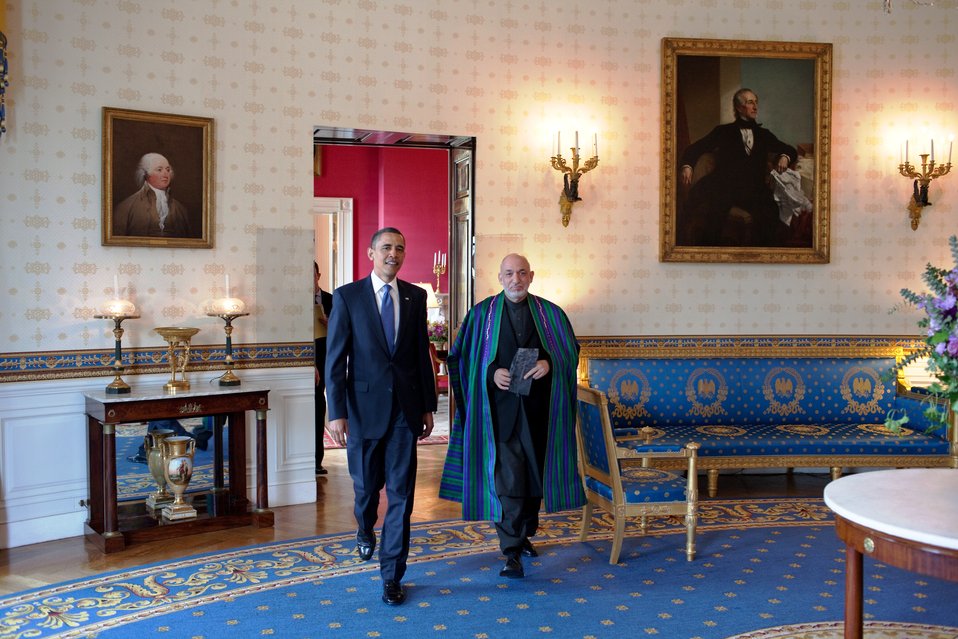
(178, 470)
(153, 447)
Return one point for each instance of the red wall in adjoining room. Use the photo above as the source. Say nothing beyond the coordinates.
(415, 199)
(404, 188)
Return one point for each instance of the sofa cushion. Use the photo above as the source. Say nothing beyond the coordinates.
(794, 439)
(744, 391)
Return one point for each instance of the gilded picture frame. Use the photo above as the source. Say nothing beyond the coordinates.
(157, 179)
(722, 202)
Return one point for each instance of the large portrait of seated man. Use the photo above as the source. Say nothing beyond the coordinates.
(745, 156)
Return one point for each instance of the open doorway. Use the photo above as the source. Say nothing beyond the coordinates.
(421, 184)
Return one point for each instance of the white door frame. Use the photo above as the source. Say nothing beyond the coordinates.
(340, 230)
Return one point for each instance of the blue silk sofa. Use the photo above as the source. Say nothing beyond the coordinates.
(771, 402)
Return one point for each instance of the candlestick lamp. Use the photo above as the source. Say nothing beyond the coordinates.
(228, 309)
(118, 310)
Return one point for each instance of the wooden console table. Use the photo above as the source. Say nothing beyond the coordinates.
(906, 518)
(112, 527)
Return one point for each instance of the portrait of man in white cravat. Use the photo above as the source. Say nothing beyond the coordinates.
(157, 179)
(152, 211)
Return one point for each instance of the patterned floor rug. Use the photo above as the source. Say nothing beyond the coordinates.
(765, 569)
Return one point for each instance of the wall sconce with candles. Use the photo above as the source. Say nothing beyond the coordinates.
(438, 266)
(571, 175)
(929, 171)
(228, 309)
(117, 309)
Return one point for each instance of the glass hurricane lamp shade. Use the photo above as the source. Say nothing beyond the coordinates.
(117, 308)
(226, 306)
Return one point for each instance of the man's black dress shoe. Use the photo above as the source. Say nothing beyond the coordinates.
(528, 550)
(365, 546)
(393, 593)
(513, 568)
(321, 471)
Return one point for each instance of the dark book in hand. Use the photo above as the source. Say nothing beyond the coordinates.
(523, 362)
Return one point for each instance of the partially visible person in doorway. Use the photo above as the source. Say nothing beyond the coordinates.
(322, 306)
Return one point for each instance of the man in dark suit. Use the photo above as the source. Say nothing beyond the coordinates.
(742, 151)
(322, 307)
(381, 396)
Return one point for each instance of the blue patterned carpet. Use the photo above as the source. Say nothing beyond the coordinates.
(761, 565)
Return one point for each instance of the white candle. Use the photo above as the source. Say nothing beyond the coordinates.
(227, 284)
(444, 260)
(901, 153)
(576, 142)
(559, 142)
(116, 286)
(595, 145)
(950, 143)
(933, 149)
(906, 151)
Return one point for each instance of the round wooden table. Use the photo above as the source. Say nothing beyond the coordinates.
(906, 518)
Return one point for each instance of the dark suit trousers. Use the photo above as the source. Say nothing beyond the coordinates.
(389, 462)
(519, 488)
(320, 427)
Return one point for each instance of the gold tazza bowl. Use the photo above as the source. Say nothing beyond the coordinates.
(176, 334)
(177, 337)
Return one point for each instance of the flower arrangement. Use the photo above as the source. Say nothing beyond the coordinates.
(940, 323)
(438, 331)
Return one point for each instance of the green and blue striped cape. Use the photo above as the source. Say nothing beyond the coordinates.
(468, 472)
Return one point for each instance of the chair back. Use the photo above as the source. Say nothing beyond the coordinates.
(596, 441)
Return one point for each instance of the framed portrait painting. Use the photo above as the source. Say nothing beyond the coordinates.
(157, 179)
(745, 151)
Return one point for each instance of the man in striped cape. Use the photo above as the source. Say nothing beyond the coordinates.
(511, 448)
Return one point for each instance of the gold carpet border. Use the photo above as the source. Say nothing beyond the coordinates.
(134, 595)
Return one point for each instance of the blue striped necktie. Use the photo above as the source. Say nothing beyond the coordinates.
(389, 319)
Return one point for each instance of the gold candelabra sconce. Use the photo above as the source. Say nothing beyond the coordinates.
(570, 175)
(438, 266)
(922, 179)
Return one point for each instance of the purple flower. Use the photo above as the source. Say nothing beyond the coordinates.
(945, 303)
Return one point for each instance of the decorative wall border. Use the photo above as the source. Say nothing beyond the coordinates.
(42, 365)
(746, 346)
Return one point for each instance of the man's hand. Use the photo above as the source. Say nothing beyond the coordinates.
(338, 429)
(540, 370)
(427, 420)
(685, 174)
(502, 378)
(782, 165)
